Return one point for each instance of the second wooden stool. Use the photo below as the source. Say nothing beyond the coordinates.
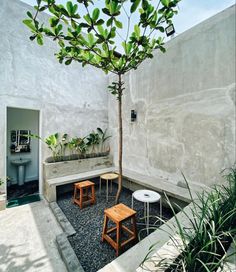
(119, 214)
(84, 198)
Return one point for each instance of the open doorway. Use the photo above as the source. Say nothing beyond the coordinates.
(22, 156)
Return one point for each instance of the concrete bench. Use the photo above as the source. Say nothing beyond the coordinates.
(50, 191)
(158, 184)
(131, 180)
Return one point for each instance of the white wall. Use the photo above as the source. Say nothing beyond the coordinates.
(185, 101)
(20, 119)
(70, 99)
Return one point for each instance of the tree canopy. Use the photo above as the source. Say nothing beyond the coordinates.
(90, 37)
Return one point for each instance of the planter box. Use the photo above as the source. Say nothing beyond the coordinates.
(66, 172)
(66, 168)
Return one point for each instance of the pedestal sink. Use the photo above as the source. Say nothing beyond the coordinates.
(20, 164)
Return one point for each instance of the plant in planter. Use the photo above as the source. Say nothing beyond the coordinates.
(93, 140)
(72, 147)
(103, 138)
(63, 143)
(52, 141)
(81, 147)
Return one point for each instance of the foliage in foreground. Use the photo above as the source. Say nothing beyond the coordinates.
(204, 243)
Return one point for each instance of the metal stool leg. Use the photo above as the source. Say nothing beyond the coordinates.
(107, 190)
(100, 186)
(147, 218)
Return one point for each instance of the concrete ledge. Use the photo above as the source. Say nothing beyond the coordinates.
(68, 255)
(161, 185)
(51, 184)
(62, 220)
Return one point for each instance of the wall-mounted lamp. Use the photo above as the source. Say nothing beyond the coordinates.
(133, 115)
(170, 30)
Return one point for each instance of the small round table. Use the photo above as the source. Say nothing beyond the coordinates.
(147, 197)
(107, 177)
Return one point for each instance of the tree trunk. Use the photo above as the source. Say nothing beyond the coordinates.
(120, 146)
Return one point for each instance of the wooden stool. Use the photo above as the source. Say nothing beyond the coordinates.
(119, 214)
(84, 199)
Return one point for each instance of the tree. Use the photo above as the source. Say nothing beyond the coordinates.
(93, 36)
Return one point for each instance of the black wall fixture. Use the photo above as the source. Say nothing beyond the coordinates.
(133, 115)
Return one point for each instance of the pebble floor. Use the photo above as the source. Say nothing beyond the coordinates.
(88, 222)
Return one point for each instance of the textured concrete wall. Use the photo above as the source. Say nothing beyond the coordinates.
(70, 99)
(185, 101)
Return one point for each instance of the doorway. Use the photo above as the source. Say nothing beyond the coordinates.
(22, 156)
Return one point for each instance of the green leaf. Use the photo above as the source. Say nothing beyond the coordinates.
(68, 62)
(75, 9)
(69, 7)
(101, 30)
(39, 39)
(134, 6)
(109, 21)
(53, 21)
(87, 19)
(61, 43)
(118, 24)
(165, 3)
(91, 39)
(100, 22)
(137, 31)
(30, 14)
(95, 14)
(30, 24)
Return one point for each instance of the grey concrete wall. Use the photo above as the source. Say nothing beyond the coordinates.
(70, 99)
(185, 102)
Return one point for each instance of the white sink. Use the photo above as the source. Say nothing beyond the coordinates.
(21, 162)
(20, 165)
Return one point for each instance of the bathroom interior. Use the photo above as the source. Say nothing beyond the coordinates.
(22, 156)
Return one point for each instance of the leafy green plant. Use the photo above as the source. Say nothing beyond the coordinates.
(72, 145)
(52, 141)
(93, 38)
(63, 143)
(81, 146)
(93, 140)
(212, 227)
(103, 137)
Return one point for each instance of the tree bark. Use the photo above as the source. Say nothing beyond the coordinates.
(120, 146)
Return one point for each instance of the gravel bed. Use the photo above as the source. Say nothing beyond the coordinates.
(88, 222)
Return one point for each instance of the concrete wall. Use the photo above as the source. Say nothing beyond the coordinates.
(70, 99)
(185, 102)
(20, 119)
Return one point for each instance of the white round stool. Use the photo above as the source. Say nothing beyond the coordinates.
(147, 197)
